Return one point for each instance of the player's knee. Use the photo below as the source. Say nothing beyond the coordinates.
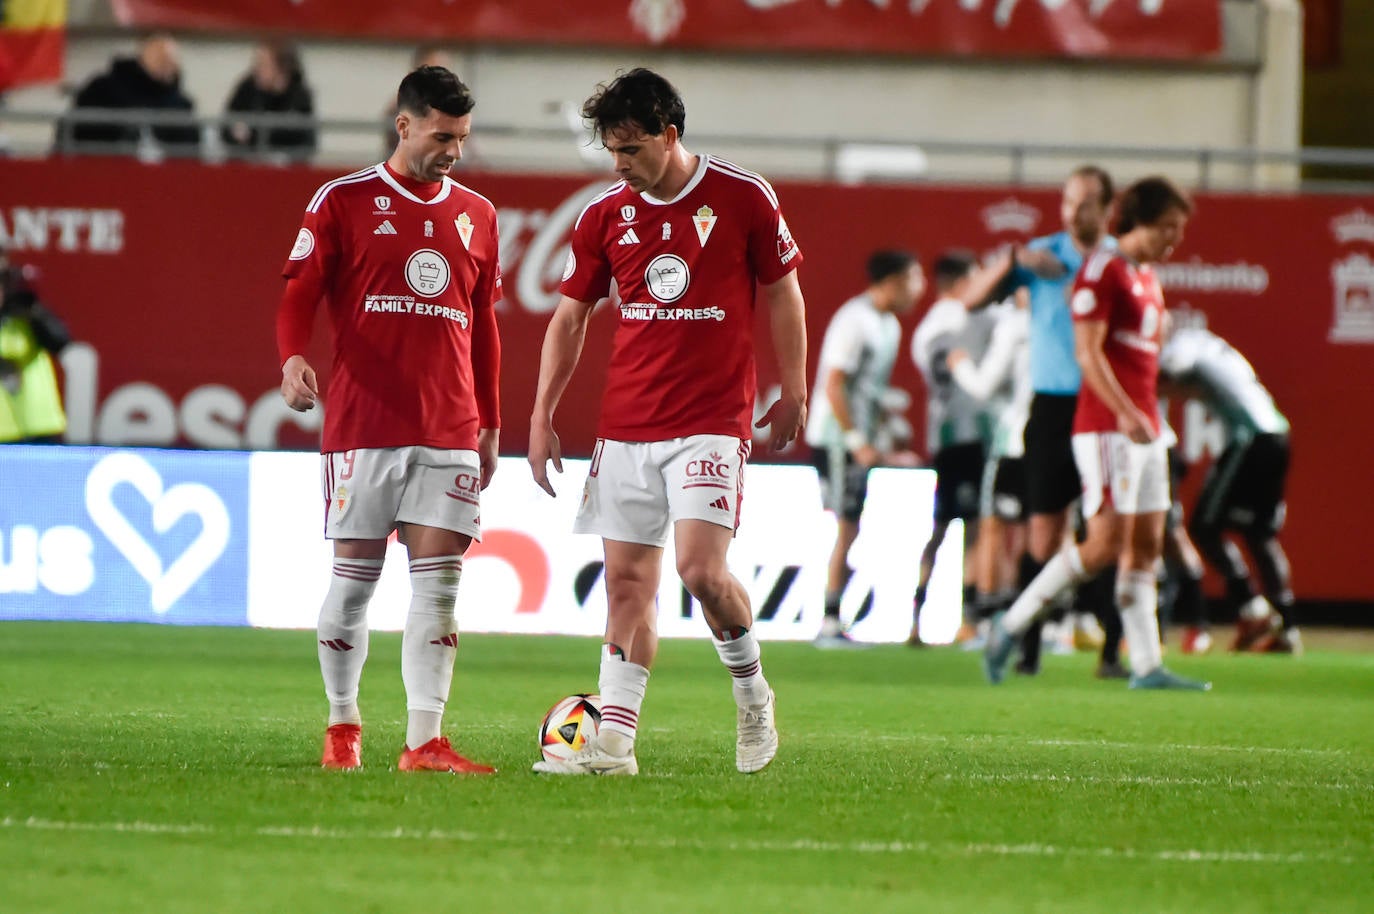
(707, 581)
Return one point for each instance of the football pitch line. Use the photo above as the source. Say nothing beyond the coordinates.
(896, 848)
(1103, 744)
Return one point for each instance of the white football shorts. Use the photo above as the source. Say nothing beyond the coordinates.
(370, 490)
(635, 490)
(1134, 477)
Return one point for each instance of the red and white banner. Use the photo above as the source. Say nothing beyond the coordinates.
(1151, 29)
(169, 275)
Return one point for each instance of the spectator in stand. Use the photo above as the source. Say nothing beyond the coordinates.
(149, 82)
(275, 85)
(30, 335)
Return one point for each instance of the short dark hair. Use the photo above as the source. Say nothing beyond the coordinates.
(639, 97)
(952, 266)
(1103, 179)
(882, 264)
(433, 87)
(1145, 201)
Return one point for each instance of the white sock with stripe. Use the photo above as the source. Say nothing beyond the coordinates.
(429, 644)
(342, 634)
(1137, 596)
(1064, 569)
(622, 685)
(741, 655)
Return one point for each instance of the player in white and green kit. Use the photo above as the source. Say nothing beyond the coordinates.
(1244, 490)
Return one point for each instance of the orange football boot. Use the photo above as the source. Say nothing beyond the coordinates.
(343, 747)
(438, 755)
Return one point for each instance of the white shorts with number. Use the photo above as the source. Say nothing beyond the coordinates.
(1133, 477)
(635, 490)
(370, 490)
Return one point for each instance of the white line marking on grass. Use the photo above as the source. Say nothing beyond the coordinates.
(1153, 781)
(899, 848)
(1096, 743)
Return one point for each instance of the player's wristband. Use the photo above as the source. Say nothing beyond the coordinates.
(854, 440)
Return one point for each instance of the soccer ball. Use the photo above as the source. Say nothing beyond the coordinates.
(568, 726)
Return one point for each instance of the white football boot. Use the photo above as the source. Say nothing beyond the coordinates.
(594, 758)
(756, 736)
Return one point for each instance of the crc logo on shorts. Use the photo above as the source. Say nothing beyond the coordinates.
(305, 243)
(710, 469)
(427, 272)
(465, 488)
(667, 277)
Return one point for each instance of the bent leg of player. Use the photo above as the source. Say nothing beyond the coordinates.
(1061, 572)
(632, 576)
(343, 640)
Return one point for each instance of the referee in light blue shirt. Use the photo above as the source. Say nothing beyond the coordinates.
(1046, 267)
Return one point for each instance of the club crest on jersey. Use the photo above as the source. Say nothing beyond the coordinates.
(305, 243)
(627, 212)
(667, 277)
(464, 226)
(704, 221)
(429, 229)
(383, 204)
(667, 231)
(427, 273)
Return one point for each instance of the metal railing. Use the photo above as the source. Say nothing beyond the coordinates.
(154, 135)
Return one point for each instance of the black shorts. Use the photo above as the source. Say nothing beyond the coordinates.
(1178, 468)
(844, 483)
(1243, 490)
(958, 478)
(1052, 481)
(1004, 490)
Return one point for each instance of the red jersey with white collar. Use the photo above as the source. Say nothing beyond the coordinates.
(686, 272)
(410, 275)
(1127, 296)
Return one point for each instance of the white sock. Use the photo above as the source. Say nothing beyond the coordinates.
(622, 685)
(429, 644)
(1062, 571)
(342, 634)
(1137, 596)
(741, 657)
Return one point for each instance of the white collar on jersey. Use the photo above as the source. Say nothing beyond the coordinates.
(385, 175)
(702, 161)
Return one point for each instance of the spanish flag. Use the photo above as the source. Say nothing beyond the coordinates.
(33, 37)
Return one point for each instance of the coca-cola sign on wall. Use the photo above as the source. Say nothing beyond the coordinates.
(1158, 29)
(169, 277)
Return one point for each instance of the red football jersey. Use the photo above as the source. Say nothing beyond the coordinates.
(1127, 296)
(404, 278)
(686, 272)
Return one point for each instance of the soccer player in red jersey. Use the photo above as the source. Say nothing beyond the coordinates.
(687, 239)
(1118, 313)
(405, 259)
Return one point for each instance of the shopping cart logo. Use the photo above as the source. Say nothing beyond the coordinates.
(427, 273)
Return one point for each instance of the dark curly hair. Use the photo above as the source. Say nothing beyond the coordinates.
(640, 97)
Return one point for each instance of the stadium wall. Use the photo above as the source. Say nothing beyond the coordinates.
(169, 277)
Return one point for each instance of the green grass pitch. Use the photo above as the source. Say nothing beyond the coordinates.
(176, 770)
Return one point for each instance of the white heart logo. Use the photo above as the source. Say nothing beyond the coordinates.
(170, 506)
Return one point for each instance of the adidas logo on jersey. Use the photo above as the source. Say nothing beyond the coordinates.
(385, 228)
(722, 503)
(629, 237)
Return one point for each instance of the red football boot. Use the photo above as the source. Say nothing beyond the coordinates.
(438, 755)
(343, 747)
